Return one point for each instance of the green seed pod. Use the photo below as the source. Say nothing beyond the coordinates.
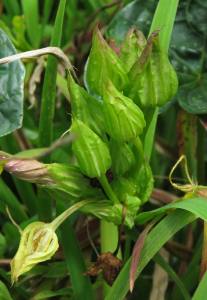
(86, 108)
(124, 120)
(38, 243)
(103, 64)
(91, 153)
(122, 157)
(153, 80)
(68, 179)
(132, 47)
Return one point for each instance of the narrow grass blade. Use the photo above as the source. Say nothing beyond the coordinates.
(134, 234)
(12, 202)
(75, 262)
(137, 251)
(155, 240)
(31, 13)
(25, 189)
(201, 292)
(47, 109)
(198, 206)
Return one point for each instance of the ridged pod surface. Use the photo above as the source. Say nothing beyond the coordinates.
(132, 47)
(124, 120)
(153, 80)
(103, 64)
(91, 152)
(86, 108)
(122, 157)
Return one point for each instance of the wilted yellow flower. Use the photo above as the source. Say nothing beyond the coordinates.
(38, 243)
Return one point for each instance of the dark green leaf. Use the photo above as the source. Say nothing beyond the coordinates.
(201, 291)
(4, 294)
(198, 206)
(12, 84)
(139, 13)
(48, 294)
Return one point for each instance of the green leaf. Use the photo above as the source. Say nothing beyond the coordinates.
(155, 240)
(61, 292)
(11, 94)
(201, 291)
(91, 153)
(31, 13)
(193, 100)
(198, 206)
(57, 269)
(19, 30)
(3, 244)
(75, 262)
(139, 13)
(4, 294)
(103, 64)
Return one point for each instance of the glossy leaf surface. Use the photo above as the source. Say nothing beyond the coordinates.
(11, 93)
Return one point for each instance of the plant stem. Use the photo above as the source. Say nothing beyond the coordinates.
(60, 219)
(47, 111)
(106, 186)
(109, 240)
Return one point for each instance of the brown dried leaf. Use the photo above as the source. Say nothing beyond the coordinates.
(109, 265)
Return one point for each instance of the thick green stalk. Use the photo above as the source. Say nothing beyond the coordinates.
(109, 241)
(74, 258)
(47, 110)
(106, 186)
(164, 16)
(61, 218)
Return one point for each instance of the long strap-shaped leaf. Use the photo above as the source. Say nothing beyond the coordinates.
(201, 292)
(47, 110)
(134, 235)
(74, 259)
(155, 240)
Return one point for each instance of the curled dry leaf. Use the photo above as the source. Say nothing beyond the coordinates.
(109, 265)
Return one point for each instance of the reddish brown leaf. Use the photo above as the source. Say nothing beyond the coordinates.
(137, 251)
(109, 265)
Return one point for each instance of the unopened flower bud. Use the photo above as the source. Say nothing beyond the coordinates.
(153, 81)
(132, 47)
(103, 63)
(86, 108)
(65, 180)
(91, 152)
(124, 120)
